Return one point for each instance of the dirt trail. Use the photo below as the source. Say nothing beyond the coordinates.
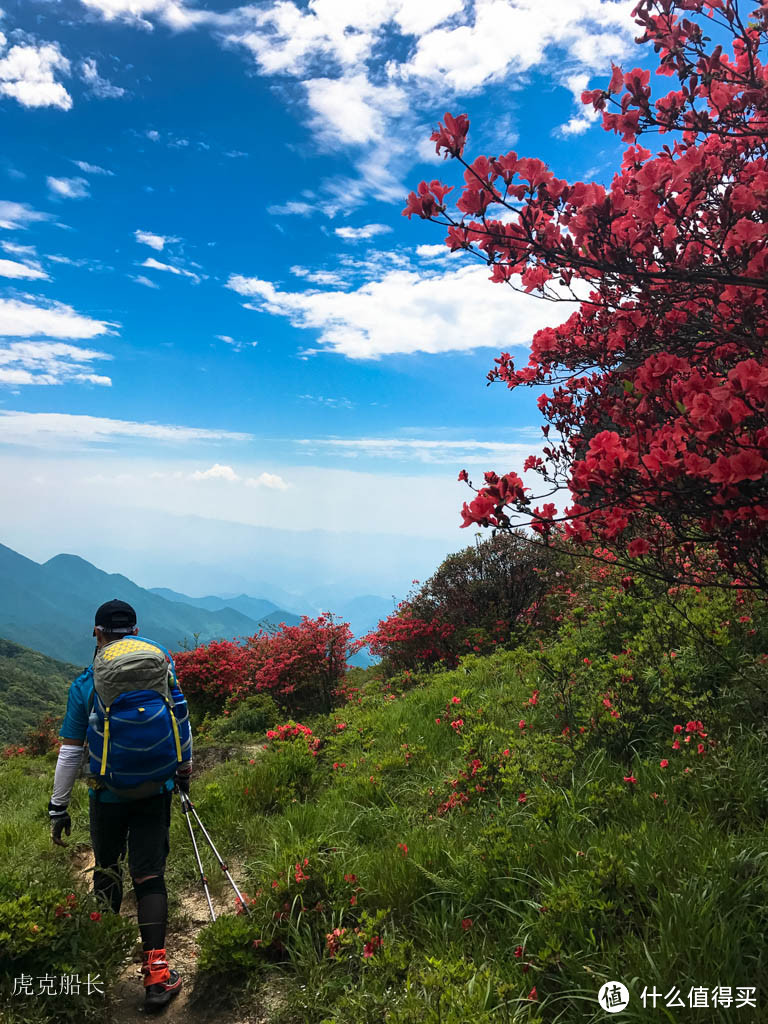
(127, 998)
(126, 1004)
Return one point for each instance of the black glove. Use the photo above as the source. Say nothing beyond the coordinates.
(181, 779)
(60, 822)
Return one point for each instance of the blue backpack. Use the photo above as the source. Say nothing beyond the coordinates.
(138, 727)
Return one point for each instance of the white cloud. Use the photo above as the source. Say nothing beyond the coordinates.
(140, 279)
(27, 74)
(216, 472)
(585, 116)
(172, 13)
(331, 403)
(513, 36)
(156, 242)
(420, 450)
(46, 363)
(154, 264)
(352, 110)
(433, 251)
(22, 271)
(18, 250)
(268, 480)
(18, 215)
(406, 312)
(69, 188)
(57, 429)
(100, 87)
(284, 38)
(367, 231)
(223, 472)
(87, 168)
(22, 319)
(326, 277)
(238, 346)
(416, 19)
(292, 208)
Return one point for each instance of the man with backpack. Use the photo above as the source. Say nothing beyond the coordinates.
(129, 709)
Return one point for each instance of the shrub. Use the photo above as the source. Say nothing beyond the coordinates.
(250, 716)
(299, 666)
(44, 736)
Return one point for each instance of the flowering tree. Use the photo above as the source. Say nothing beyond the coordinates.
(404, 641)
(299, 666)
(660, 377)
(485, 587)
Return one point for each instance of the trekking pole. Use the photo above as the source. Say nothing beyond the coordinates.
(185, 800)
(186, 803)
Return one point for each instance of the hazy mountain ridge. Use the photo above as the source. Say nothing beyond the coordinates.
(253, 607)
(49, 608)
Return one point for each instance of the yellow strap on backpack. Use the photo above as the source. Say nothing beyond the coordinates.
(106, 741)
(175, 726)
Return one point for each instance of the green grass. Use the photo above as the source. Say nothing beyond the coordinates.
(554, 874)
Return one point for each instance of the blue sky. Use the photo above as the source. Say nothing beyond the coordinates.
(210, 303)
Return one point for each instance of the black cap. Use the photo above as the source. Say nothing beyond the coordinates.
(115, 617)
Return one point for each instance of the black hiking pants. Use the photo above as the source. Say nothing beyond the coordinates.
(141, 827)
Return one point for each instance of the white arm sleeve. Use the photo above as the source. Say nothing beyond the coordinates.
(67, 770)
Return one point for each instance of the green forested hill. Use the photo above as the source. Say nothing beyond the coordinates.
(30, 684)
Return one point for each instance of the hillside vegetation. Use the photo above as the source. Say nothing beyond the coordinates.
(487, 843)
(31, 685)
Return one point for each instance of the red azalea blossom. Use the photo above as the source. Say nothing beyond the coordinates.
(372, 946)
(467, 923)
(630, 778)
(95, 915)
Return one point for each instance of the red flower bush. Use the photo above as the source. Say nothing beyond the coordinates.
(660, 378)
(404, 641)
(301, 666)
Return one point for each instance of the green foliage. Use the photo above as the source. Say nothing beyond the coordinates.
(31, 685)
(230, 947)
(246, 718)
(48, 932)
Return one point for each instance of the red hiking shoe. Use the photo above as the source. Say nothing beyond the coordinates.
(161, 984)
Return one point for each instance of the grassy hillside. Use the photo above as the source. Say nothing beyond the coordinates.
(31, 684)
(489, 844)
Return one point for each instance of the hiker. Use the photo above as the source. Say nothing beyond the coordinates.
(128, 708)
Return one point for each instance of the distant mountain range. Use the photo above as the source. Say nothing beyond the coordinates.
(49, 607)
